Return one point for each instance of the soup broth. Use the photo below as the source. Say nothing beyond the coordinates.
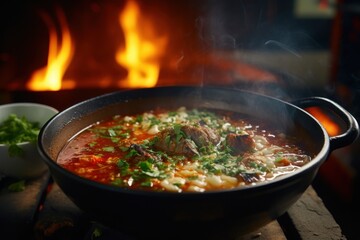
(182, 150)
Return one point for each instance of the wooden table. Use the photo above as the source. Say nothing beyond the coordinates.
(42, 211)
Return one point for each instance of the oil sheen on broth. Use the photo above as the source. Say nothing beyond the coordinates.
(181, 150)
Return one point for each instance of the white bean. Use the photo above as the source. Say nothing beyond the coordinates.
(198, 183)
(226, 126)
(169, 186)
(214, 180)
(128, 119)
(154, 130)
(231, 180)
(188, 173)
(196, 189)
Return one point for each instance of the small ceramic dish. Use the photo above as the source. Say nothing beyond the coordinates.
(28, 164)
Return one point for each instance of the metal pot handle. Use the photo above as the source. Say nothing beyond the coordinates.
(352, 132)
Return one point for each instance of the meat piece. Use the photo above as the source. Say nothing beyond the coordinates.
(239, 144)
(174, 144)
(202, 135)
(185, 140)
(143, 154)
(249, 177)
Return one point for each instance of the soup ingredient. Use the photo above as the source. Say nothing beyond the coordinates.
(239, 143)
(15, 130)
(182, 150)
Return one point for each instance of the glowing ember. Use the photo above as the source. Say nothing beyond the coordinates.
(330, 126)
(60, 54)
(143, 48)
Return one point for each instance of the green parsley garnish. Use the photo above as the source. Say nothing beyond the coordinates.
(108, 149)
(17, 186)
(15, 130)
(96, 233)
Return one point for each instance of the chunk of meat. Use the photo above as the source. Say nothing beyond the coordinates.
(185, 140)
(173, 144)
(143, 154)
(239, 144)
(249, 177)
(202, 135)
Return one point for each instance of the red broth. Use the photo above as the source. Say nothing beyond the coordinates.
(181, 150)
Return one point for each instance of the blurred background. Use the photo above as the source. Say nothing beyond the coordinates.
(62, 52)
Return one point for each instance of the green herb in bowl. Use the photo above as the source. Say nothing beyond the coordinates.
(20, 124)
(16, 130)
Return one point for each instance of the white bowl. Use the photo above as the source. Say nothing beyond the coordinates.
(30, 164)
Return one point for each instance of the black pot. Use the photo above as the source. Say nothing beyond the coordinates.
(156, 214)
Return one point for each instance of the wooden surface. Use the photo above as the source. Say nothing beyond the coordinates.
(19, 209)
(42, 211)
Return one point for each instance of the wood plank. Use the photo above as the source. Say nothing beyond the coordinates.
(312, 219)
(308, 218)
(60, 217)
(18, 209)
(271, 231)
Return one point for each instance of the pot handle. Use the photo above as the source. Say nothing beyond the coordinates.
(344, 139)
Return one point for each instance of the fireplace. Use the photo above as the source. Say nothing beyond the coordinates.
(58, 47)
(108, 44)
(62, 52)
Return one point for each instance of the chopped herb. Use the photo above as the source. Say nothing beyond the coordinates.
(124, 135)
(153, 141)
(111, 132)
(167, 140)
(115, 139)
(16, 130)
(17, 186)
(146, 183)
(124, 149)
(123, 164)
(145, 166)
(148, 169)
(192, 178)
(139, 118)
(154, 121)
(132, 153)
(96, 233)
(178, 132)
(118, 182)
(278, 157)
(211, 168)
(177, 184)
(14, 150)
(108, 149)
(258, 166)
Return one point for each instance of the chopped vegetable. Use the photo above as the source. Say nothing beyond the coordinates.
(96, 233)
(17, 186)
(15, 130)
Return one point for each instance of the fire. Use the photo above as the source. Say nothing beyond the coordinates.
(59, 57)
(143, 48)
(330, 126)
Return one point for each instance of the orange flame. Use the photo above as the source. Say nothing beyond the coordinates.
(60, 55)
(330, 126)
(143, 48)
